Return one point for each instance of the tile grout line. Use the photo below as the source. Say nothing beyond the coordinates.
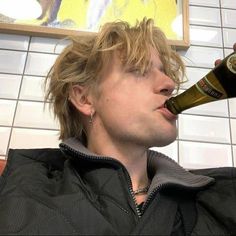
(228, 105)
(211, 7)
(17, 100)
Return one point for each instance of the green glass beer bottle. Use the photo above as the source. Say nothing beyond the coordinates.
(219, 83)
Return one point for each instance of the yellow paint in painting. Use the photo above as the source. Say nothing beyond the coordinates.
(163, 12)
(166, 13)
(77, 11)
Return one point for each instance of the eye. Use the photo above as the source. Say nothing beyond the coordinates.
(162, 69)
(137, 72)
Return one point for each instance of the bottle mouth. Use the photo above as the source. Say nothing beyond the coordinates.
(170, 105)
(231, 63)
(234, 63)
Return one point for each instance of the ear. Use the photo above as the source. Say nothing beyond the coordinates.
(81, 99)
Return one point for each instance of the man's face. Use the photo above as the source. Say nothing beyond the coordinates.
(130, 106)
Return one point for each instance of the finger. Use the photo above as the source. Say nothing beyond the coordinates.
(217, 62)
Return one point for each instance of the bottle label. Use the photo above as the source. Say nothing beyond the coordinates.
(205, 87)
(231, 63)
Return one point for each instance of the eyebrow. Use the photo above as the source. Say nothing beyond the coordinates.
(159, 67)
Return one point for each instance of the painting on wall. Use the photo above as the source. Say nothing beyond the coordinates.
(59, 18)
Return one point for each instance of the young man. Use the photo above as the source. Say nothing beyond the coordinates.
(108, 91)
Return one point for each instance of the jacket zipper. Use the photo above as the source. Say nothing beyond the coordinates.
(139, 213)
(151, 196)
(64, 146)
(157, 189)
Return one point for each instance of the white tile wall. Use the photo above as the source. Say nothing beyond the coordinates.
(228, 18)
(233, 130)
(234, 154)
(33, 138)
(12, 61)
(10, 85)
(232, 107)
(204, 16)
(204, 155)
(33, 114)
(39, 63)
(15, 42)
(218, 108)
(207, 134)
(196, 56)
(32, 88)
(228, 51)
(229, 36)
(4, 139)
(206, 36)
(209, 3)
(228, 4)
(193, 75)
(7, 108)
(203, 128)
(170, 150)
(47, 45)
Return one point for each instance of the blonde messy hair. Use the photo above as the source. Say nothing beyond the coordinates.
(81, 63)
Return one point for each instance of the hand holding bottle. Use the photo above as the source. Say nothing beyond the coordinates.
(219, 83)
(218, 61)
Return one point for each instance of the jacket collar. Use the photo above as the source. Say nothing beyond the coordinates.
(163, 170)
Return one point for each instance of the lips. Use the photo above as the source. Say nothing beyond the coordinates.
(166, 113)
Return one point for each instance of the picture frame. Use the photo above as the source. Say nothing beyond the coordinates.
(37, 29)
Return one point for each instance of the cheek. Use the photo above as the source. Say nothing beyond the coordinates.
(115, 99)
(115, 110)
(124, 102)
(115, 106)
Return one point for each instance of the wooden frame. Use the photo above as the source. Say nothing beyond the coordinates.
(184, 42)
(44, 31)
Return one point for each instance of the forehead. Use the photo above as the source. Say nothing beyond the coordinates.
(117, 64)
(121, 60)
(155, 56)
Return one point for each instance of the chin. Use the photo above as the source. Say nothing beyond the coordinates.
(164, 140)
(163, 144)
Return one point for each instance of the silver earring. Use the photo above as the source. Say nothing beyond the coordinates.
(91, 117)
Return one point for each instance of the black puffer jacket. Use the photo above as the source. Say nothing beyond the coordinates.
(72, 191)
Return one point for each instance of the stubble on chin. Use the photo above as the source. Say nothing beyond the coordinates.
(164, 138)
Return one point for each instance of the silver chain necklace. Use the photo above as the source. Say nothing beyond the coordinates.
(141, 190)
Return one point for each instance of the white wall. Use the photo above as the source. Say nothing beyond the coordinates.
(207, 134)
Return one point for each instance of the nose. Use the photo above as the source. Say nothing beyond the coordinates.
(165, 86)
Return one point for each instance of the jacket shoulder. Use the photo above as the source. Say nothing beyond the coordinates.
(218, 202)
(49, 156)
(217, 173)
(23, 163)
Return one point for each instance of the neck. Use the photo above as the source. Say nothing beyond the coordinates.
(133, 157)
